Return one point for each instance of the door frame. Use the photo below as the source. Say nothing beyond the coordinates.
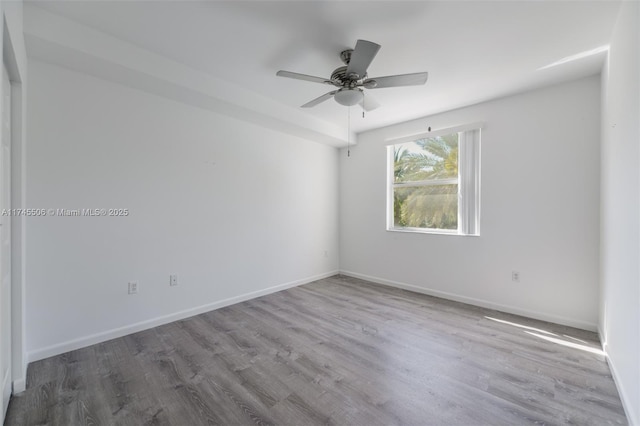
(18, 200)
(5, 238)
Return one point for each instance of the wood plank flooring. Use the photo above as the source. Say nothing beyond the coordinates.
(337, 351)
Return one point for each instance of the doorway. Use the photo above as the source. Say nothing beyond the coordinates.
(5, 243)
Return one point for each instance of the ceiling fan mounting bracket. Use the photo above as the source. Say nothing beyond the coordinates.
(345, 55)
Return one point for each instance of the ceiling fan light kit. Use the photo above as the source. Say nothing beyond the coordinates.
(349, 97)
(352, 78)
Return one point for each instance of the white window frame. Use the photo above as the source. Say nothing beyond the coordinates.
(468, 180)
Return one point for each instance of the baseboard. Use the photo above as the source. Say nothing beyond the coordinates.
(633, 415)
(19, 385)
(165, 319)
(543, 316)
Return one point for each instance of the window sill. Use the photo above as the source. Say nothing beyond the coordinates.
(430, 231)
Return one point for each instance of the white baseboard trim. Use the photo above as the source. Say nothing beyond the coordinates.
(477, 302)
(93, 339)
(19, 386)
(633, 414)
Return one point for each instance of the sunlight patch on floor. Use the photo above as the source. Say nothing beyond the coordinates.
(520, 326)
(568, 344)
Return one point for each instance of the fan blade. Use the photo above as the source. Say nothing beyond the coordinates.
(320, 99)
(415, 79)
(306, 77)
(368, 103)
(361, 58)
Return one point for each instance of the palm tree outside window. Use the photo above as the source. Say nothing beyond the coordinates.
(434, 183)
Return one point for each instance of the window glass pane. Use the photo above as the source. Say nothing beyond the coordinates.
(434, 206)
(426, 159)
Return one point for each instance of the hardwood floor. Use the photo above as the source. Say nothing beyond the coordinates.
(337, 351)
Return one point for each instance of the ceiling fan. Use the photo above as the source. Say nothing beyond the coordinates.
(352, 78)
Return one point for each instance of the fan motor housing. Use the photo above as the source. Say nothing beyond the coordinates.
(339, 76)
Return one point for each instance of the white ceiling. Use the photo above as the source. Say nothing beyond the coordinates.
(473, 51)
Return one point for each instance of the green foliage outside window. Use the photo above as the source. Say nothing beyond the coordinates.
(432, 206)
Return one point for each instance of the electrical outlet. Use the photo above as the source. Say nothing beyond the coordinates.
(515, 276)
(133, 287)
(173, 280)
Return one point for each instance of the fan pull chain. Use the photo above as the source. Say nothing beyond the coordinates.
(349, 132)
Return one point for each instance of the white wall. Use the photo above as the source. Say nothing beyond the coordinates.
(232, 208)
(620, 250)
(539, 210)
(58, 40)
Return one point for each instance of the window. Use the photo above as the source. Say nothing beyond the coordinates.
(434, 182)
